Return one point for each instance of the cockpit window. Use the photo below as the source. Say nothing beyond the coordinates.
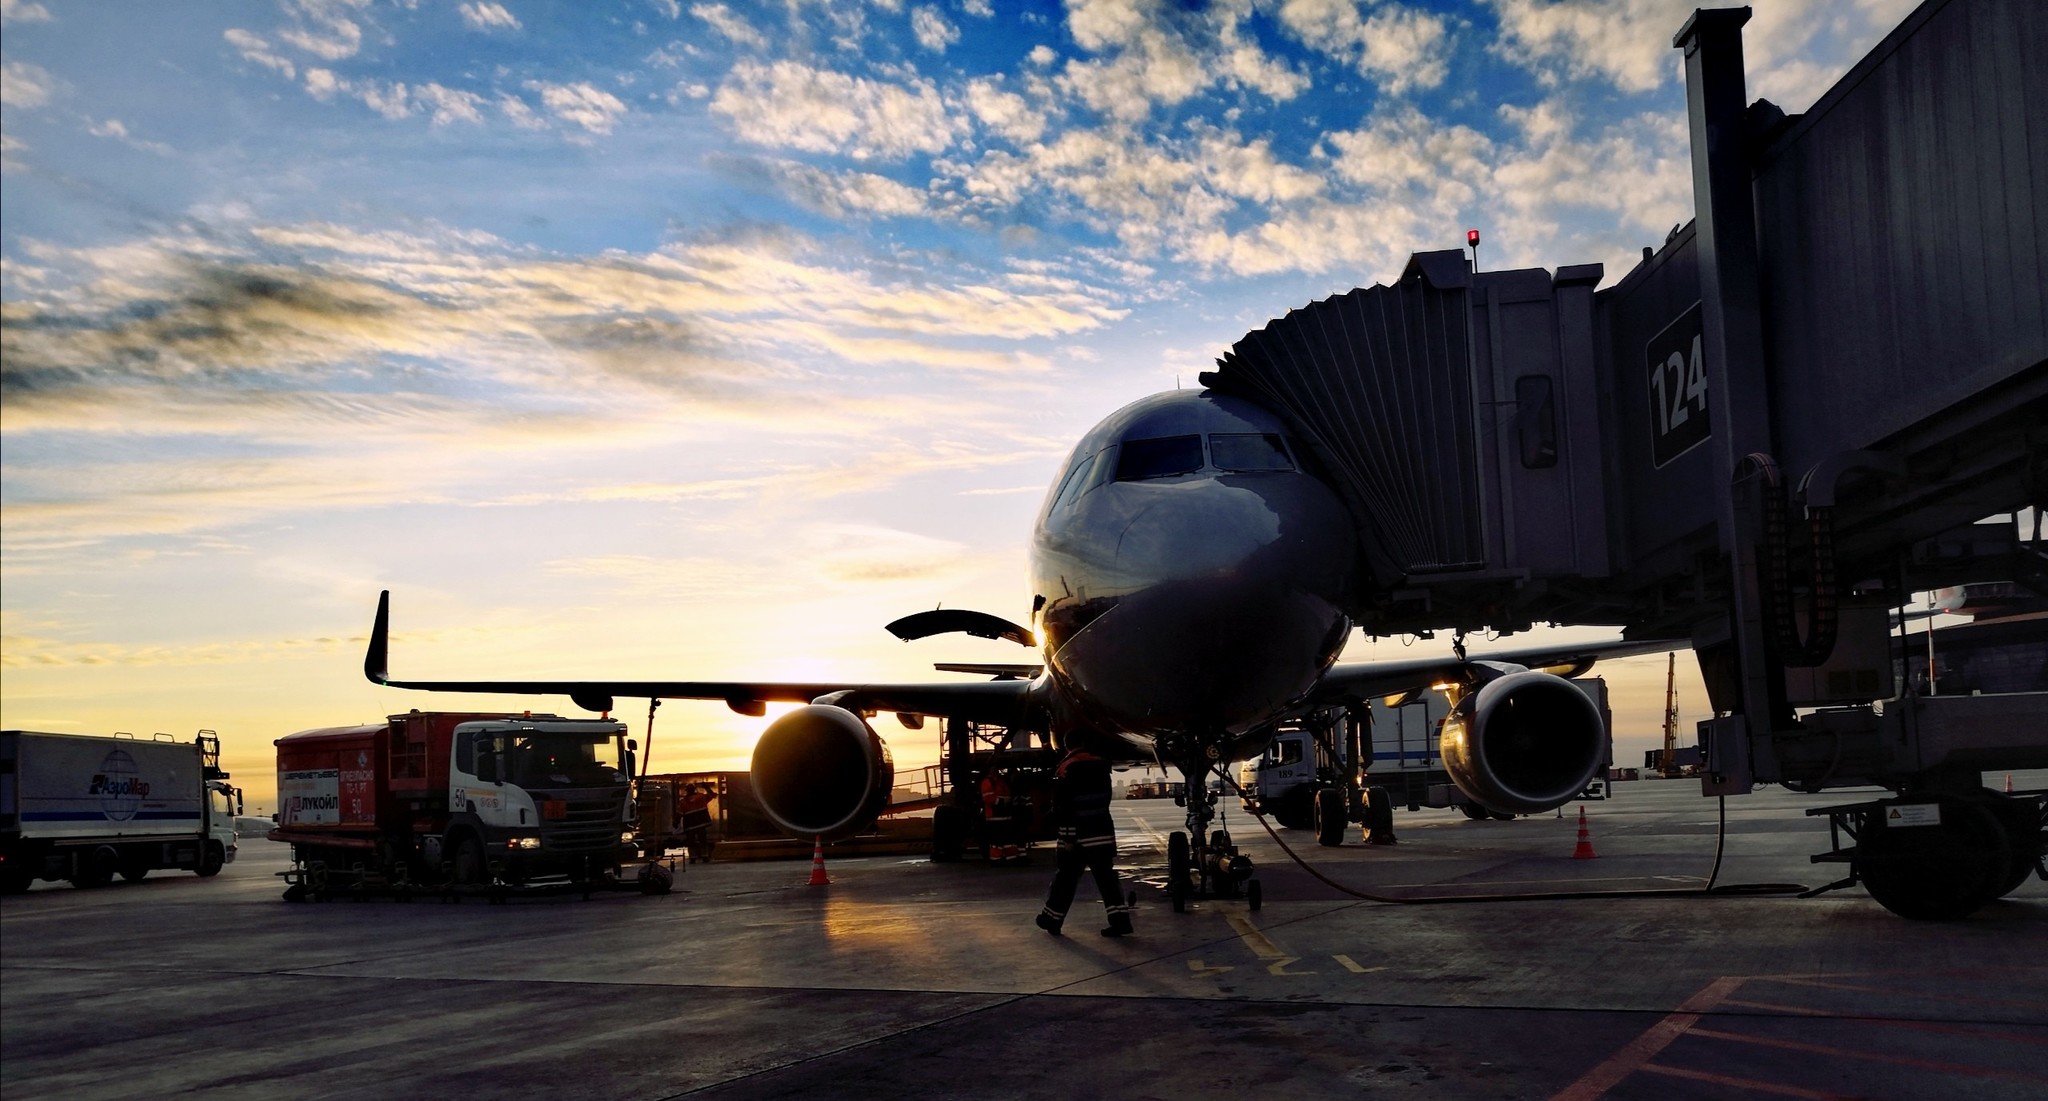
(1248, 451)
(1160, 458)
(1086, 475)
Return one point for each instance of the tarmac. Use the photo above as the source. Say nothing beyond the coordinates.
(905, 979)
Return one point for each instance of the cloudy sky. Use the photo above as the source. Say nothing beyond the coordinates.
(657, 338)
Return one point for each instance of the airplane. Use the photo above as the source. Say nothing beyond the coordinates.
(1193, 582)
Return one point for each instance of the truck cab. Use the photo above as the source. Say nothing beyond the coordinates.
(535, 796)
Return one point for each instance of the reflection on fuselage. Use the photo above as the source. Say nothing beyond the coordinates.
(1192, 577)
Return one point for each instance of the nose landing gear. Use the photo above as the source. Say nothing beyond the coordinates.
(1201, 863)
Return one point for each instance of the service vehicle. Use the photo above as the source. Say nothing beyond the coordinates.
(462, 799)
(87, 807)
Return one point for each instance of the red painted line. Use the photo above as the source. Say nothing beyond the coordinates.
(1904, 995)
(1637, 1053)
(1887, 1022)
(1773, 1007)
(1867, 1056)
(1745, 1083)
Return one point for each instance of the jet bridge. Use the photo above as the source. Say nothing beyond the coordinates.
(1774, 430)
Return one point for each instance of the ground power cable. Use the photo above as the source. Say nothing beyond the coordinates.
(1733, 890)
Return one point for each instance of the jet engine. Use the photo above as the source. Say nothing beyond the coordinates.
(1524, 742)
(821, 772)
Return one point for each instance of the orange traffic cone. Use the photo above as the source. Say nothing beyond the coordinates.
(818, 876)
(1585, 849)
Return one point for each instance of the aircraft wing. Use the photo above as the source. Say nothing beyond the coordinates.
(1367, 679)
(999, 701)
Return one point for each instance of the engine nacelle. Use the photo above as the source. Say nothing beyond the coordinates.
(821, 772)
(1524, 743)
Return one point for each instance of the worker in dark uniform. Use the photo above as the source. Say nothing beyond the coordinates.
(998, 824)
(1087, 839)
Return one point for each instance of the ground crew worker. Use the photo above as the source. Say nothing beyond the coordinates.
(1087, 838)
(696, 808)
(999, 831)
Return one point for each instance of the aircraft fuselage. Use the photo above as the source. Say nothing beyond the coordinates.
(1190, 578)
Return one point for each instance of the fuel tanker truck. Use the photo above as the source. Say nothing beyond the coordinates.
(462, 799)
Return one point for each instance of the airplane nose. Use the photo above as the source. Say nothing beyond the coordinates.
(1232, 604)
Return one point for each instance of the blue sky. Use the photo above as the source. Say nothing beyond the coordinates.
(658, 338)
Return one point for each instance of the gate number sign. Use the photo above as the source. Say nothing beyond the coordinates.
(1677, 389)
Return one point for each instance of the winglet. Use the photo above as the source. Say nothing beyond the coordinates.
(376, 658)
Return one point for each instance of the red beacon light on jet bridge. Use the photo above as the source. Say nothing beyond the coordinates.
(1472, 242)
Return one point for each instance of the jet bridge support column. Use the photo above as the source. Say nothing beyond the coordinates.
(1732, 347)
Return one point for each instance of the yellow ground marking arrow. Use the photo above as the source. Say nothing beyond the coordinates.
(1262, 946)
(1352, 966)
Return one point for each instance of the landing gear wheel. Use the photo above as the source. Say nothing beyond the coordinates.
(469, 862)
(949, 830)
(1178, 871)
(1379, 816)
(1219, 841)
(1254, 895)
(1935, 872)
(1475, 812)
(1329, 818)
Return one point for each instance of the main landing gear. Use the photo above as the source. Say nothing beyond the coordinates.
(1201, 863)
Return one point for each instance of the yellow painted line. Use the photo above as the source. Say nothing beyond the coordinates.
(1353, 966)
(1275, 957)
(1158, 838)
(1258, 942)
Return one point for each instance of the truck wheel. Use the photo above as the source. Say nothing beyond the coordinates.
(468, 862)
(1936, 872)
(2021, 820)
(210, 864)
(16, 880)
(1329, 818)
(133, 871)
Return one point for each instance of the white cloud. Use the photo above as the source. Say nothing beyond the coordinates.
(1152, 53)
(1006, 113)
(256, 49)
(520, 115)
(931, 29)
(22, 11)
(488, 16)
(1626, 42)
(1397, 46)
(581, 104)
(794, 106)
(393, 101)
(449, 105)
(324, 28)
(728, 23)
(24, 85)
(844, 194)
(979, 9)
